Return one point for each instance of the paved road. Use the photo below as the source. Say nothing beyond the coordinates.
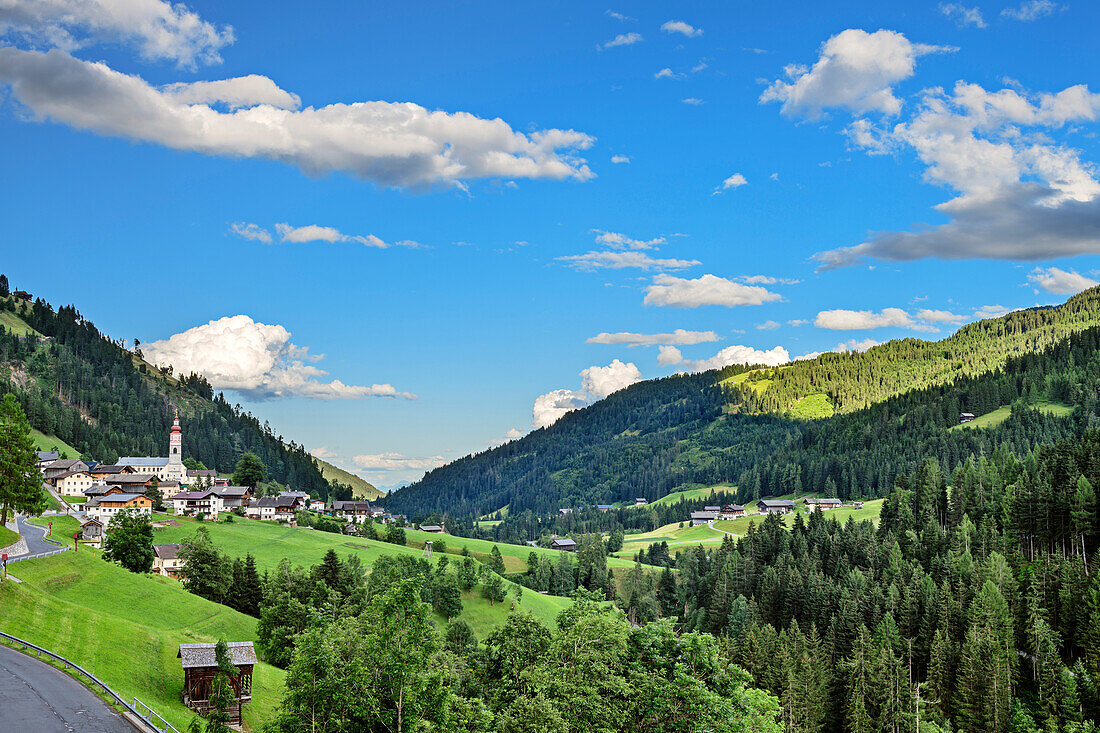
(36, 697)
(33, 535)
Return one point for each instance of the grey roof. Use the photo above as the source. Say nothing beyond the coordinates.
(279, 502)
(430, 528)
(298, 494)
(139, 462)
(65, 464)
(97, 489)
(131, 478)
(733, 508)
(823, 501)
(236, 491)
(351, 506)
(48, 455)
(712, 509)
(209, 472)
(186, 495)
(566, 542)
(166, 552)
(93, 520)
(702, 515)
(777, 503)
(113, 468)
(120, 497)
(202, 655)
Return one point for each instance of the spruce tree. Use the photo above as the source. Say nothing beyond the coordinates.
(20, 481)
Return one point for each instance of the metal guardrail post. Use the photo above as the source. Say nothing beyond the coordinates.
(95, 680)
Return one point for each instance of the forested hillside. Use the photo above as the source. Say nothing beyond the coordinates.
(80, 386)
(724, 427)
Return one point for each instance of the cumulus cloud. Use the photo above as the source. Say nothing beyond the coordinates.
(392, 144)
(684, 29)
(668, 355)
(623, 39)
(679, 337)
(596, 383)
(618, 16)
(255, 359)
(736, 354)
(613, 260)
(675, 292)
(767, 326)
(962, 15)
(850, 320)
(939, 316)
(667, 73)
(253, 232)
(242, 91)
(1031, 10)
(735, 181)
(1055, 280)
(616, 159)
(323, 452)
(615, 240)
(857, 70)
(159, 30)
(392, 461)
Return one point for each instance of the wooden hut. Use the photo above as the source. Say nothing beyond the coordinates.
(200, 668)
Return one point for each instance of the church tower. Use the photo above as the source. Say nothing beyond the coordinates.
(175, 470)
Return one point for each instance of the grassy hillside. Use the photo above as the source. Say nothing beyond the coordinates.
(692, 494)
(998, 416)
(50, 442)
(16, 325)
(362, 488)
(64, 605)
(269, 543)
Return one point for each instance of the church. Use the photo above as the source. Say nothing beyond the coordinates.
(165, 469)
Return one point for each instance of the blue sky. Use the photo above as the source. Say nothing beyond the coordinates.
(398, 283)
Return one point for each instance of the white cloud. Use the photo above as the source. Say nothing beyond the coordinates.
(618, 16)
(255, 359)
(738, 354)
(253, 232)
(623, 39)
(596, 383)
(1055, 280)
(701, 66)
(856, 345)
(513, 434)
(679, 337)
(939, 316)
(962, 15)
(1031, 10)
(668, 355)
(856, 70)
(316, 233)
(391, 144)
(616, 159)
(675, 292)
(797, 322)
(613, 260)
(849, 320)
(735, 181)
(991, 311)
(667, 73)
(767, 280)
(615, 240)
(160, 30)
(693, 101)
(242, 91)
(767, 326)
(323, 452)
(679, 26)
(392, 461)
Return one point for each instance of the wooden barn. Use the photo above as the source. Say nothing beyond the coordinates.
(200, 667)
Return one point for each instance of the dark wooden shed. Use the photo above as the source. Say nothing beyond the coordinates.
(200, 667)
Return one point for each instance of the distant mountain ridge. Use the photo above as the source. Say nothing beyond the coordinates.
(742, 424)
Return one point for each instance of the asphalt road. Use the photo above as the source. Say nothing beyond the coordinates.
(33, 535)
(37, 698)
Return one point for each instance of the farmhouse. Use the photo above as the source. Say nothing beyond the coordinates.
(701, 518)
(200, 668)
(109, 505)
(195, 475)
(966, 417)
(232, 497)
(352, 511)
(63, 465)
(604, 507)
(72, 483)
(274, 508)
(135, 482)
(731, 511)
(640, 501)
(103, 471)
(775, 506)
(166, 560)
(823, 504)
(433, 528)
(565, 545)
(197, 502)
(44, 457)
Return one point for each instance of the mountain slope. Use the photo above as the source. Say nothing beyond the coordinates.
(360, 487)
(893, 406)
(80, 386)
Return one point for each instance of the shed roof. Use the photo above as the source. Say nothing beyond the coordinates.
(166, 552)
(777, 503)
(702, 515)
(202, 655)
(564, 542)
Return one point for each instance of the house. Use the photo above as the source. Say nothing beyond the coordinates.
(302, 496)
(44, 457)
(966, 417)
(356, 512)
(714, 509)
(222, 480)
(274, 508)
(701, 518)
(91, 531)
(775, 506)
(195, 475)
(197, 502)
(95, 491)
(823, 504)
(106, 507)
(565, 545)
(732, 511)
(857, 504)
(433, 528)
(21, 294)
(640, 501)
(604, 507)
(166, 469)
(63, 465)
(102, 471)
(166, 560)
(135, 482)
(72, 483)
(200, 668)
(317, 505)
(232, 497)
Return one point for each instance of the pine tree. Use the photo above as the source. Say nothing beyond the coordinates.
(20, 480)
